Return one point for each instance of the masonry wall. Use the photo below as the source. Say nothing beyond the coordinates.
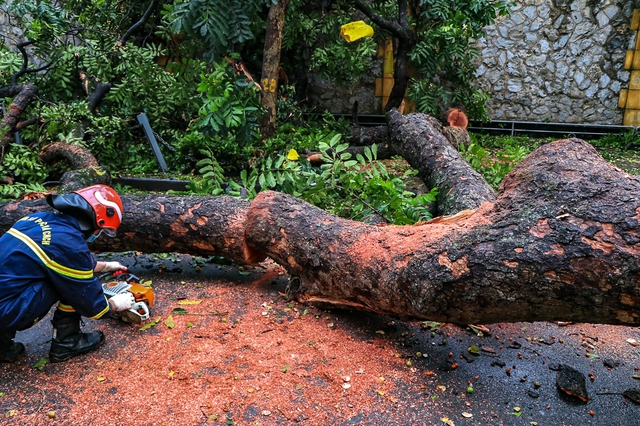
(559, 61)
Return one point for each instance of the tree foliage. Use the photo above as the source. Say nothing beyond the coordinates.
(85, 39)
(435, 39)
(312, 39)
(171, 62)
(216, 25)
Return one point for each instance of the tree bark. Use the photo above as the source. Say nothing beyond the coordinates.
(203, 226)
(362, 136)
(439, 164)
(560, 242)
(22, 99)
(85, 169)
(270, 66)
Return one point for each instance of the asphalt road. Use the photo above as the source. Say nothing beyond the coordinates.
(512, 370)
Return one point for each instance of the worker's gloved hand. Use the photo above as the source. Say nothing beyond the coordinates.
(122, 302)
(113, 267)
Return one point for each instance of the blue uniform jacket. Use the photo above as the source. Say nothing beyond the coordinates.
(43, 259)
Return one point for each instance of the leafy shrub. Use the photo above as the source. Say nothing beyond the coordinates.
(22, 163)
(498, 156)
(358, 189)
(620, 141)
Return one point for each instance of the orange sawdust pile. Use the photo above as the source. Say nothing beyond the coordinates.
(218, 352)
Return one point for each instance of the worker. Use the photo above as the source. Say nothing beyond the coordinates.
(44, 259)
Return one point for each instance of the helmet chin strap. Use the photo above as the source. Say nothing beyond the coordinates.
(93, 236)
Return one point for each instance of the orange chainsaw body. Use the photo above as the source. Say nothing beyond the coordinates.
(142, 293)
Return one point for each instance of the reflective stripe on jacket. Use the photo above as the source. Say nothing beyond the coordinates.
(44, 258)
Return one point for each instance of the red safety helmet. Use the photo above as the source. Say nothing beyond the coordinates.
(106, 205)
(94, 207)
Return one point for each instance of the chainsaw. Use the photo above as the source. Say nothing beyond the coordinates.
(143, 295)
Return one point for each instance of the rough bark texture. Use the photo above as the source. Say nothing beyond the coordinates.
(9, 91)
(560, 242)
(12, 117)
(361, 136)
(415, 138)
(270, 66)
(457, 136)
(78, 157)
(85, 168)
(205, 226)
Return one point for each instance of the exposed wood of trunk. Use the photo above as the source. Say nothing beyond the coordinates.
(438, 163)
(270, 66)
(12, 117)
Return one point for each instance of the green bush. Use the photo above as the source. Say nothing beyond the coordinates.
(358, 189)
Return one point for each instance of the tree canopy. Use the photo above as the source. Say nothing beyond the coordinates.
(194, 68)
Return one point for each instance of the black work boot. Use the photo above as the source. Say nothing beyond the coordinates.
(68, 341)
(10, 351)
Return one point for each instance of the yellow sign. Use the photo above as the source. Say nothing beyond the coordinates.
(355, 30)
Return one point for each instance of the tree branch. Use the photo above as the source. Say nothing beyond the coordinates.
(25, 62)
(138, 24)
(392, 26)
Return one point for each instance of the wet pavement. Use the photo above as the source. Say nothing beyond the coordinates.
(451, 375)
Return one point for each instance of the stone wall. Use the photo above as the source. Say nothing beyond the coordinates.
(10, 34)
(323, 95)
(558, 61)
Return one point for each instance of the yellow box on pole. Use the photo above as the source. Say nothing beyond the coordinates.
(355, 30)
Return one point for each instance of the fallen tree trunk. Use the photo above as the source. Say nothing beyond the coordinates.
(416, 138)
(364, 136)
(560, 242)
(202, 226)
(85, 169)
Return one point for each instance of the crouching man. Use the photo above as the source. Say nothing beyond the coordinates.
(44, 259)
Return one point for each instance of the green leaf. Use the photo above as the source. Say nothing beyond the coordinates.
(150, 324)
(342, 147)
(169, 322)
(40, 364)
